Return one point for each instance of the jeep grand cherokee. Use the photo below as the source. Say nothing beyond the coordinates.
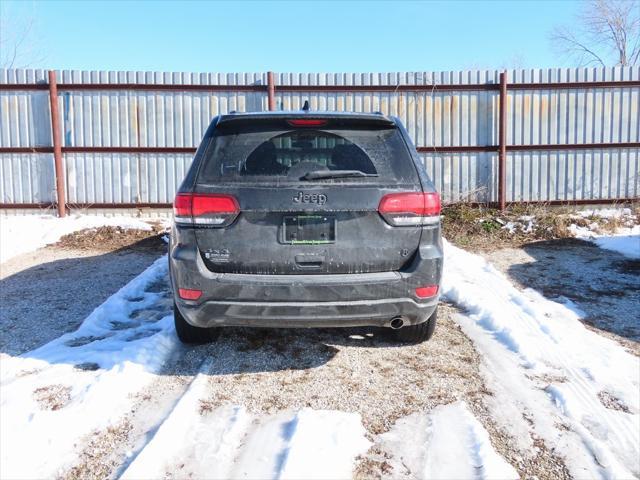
(306, 219)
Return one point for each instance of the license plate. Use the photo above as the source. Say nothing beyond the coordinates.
(309, 229)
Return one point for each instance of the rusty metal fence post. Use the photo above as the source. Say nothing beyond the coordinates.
(57, 144)
(271, 91)
(502, 143)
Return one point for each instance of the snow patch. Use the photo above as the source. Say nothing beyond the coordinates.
(625, 239)
(99, 365)
(606, 213)
(627, 245)
(447, 443)
(524, 224)
(546, 371)
(229, 442)
(193, 437)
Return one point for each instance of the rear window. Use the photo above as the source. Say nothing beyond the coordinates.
(283, 156)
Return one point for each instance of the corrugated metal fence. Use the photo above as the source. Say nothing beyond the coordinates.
(127, 137)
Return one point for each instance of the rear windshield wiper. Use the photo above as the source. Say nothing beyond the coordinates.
(320, 174)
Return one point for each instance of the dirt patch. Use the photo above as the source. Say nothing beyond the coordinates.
(628, 266)
(52, 397)
(107, 239)
(612, 402)
(545, 463)
(97, 459)
(107, 452)
(87, 366)
(345, 369)
(374, 464)
(482, 229)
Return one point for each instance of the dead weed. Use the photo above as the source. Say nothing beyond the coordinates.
(483, 229)
(110, 238)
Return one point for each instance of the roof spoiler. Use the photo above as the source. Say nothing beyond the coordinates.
(280, 119)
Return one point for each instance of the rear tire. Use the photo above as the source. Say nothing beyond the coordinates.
(418, 333)
(187, 333)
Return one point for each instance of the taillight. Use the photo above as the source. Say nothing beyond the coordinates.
(427, 291)
(189, 293)
(307, 122)
(214, 210)
(410, 208)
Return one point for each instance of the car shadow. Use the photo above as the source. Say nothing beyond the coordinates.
(602, 284)
(241, 350)
(48, 300)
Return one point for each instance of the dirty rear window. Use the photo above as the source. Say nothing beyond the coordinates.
(283, 156)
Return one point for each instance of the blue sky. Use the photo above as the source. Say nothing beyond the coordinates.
(289, 36)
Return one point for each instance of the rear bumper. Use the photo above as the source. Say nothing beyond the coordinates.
(305, 314)
(309, 300)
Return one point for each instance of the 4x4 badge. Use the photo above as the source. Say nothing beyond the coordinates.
(317, 198)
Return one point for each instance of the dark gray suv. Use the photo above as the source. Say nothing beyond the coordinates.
(306, 219)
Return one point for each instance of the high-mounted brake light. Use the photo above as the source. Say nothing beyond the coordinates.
(410, 208)
(214, 210)
(307, 122)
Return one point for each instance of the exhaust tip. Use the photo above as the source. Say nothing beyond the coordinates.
(397, 323)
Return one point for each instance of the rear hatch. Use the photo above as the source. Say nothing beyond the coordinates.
(303, 195)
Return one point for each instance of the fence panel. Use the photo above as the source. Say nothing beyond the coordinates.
(453, 117)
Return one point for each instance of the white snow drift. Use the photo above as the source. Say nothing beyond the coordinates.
(100, 366)
(625, 241)
(551, 376)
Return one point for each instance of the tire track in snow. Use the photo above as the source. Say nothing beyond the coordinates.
(108, 452)
(230, 442)
(541, 361)
(448, 442)
(162, 429)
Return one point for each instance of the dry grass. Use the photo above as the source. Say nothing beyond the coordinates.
(483, 229)
(106, 239)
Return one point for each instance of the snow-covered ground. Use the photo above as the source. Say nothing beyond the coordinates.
(83, 380)
(25, 233)
(447, 443)
(551, 380)
(623, 236)
(229, 442)
(625, 239)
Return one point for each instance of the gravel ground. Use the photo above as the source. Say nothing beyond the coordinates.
(605, 285)
(360, 370)
(269, 370)
(356, 370)
(49, 292)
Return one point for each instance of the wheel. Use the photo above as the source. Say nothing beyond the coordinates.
(418, 333)
(189, 334)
